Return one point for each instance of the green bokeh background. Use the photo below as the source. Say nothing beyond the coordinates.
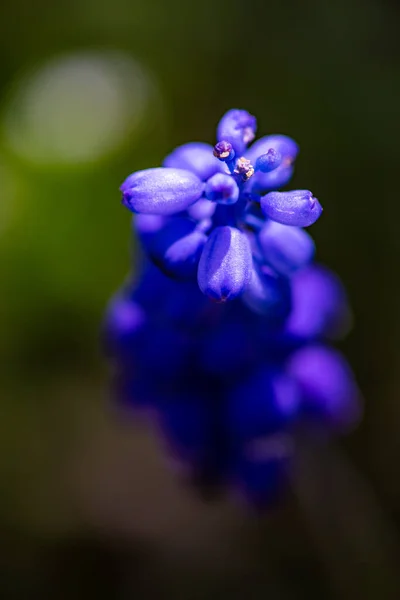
(86, 505)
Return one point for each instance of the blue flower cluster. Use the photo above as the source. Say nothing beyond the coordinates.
(211, 213)
(226, 381)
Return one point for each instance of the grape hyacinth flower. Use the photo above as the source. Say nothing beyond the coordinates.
(220, 192)
(222, 340)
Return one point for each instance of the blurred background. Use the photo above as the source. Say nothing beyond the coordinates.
(90, 92)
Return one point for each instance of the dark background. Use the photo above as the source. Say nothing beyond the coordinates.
(91, 91)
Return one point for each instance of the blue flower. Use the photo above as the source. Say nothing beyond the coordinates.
(225, 385)
(237, 127)
(225, 264)
(298, 208)
(176, 247)
(161, 191)
(326, 385)
(269, 161)
(286, 249)
(320, 306)
(224, 186)
(225, 382)
(288, 151)
(268, 294)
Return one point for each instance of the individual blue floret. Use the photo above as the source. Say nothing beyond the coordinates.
(327, 386)
(286, 249)
(177, 247)
(225, 264)
(269, 161)
(161, 191)
(298, 208)
(273, 180)
(320, 305)
(222, 188)
(268, 294)
(237, 127)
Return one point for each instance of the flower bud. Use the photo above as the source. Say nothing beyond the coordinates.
(286, 249)
(161, 191)
(273, 180)
(269, 161)
(225, 264)
(299, 208)
(327, 385)
(320, 306)
(268, 295)
(222, 188)
(177, 247)
(238, 127)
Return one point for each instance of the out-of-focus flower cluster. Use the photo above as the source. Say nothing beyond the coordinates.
(226, 382)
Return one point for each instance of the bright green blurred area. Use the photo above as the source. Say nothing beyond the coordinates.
(93, 91)
(68, 126)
